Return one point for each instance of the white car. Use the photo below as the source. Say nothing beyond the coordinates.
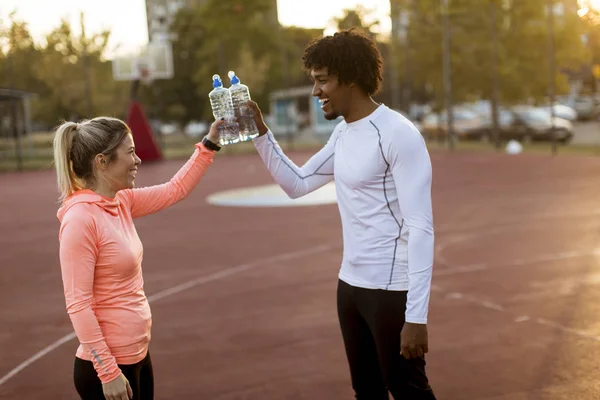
(168, 129)
(196, 128)
(565, 112)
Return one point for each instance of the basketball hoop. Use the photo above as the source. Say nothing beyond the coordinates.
(145, 77)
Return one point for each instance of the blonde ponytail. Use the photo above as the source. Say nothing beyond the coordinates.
(76, 145)
(63, 143)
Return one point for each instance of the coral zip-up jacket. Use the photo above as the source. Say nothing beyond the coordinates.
(101, 264)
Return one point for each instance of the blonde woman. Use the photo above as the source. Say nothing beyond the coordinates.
(101, 253)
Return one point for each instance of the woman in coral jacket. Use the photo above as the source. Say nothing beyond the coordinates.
(101, 253)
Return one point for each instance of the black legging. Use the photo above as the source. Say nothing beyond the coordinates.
(139, 375)
(371, 322)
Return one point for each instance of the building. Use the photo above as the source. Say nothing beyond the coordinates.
(160, 15)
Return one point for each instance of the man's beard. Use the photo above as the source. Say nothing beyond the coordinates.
(331, 116)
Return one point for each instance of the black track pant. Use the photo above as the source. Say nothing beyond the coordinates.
(139, 375)
(371, 322)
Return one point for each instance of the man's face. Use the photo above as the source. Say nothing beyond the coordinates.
(333, 96)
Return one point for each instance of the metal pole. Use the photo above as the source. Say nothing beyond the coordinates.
(551, 62)
(86, 68)
(495, 84)
(87, 87)
(158, 111)
(407, 93)
(285, 82)
(394, 72)
(14, 107)
(395, 12)
(447, 73)
(221, 58)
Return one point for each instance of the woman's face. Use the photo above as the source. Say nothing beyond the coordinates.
(120, 173)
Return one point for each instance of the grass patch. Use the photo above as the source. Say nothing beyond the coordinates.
(37, 149)
(536, 148)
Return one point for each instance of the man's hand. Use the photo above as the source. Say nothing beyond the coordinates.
(258, 118)
(413, 340)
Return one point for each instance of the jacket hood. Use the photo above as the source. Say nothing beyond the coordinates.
(89, 197)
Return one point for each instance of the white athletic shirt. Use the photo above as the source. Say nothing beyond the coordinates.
(382, 173)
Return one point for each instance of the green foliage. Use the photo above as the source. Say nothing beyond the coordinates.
(67, 73)
(355, 18)
(522, 45)
(224, 35)
(73, 79)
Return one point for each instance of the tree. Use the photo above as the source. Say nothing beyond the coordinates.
(355, 18)
(178, 99)
(228, 29)
(78, 79)
(20, 58)
(216, 37)
(591, 20)
(522, 41)
(293, 41)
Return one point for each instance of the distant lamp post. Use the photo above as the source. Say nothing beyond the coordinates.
(495, 76)
(447, 72)
(596, 73)
(13, 101)
(551, 7)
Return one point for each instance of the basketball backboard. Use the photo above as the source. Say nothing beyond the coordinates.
(154, 61)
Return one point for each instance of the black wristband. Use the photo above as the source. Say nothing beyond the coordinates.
(210, 145)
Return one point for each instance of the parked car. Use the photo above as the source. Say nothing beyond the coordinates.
(168, 129)
(196, 128)
(527, 124)
(565, 112)
(587, 107)
(506, 120)
(536, 124)
(467, 124)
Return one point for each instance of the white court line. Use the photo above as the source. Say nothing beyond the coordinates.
(174, 290)
(517, 318)
(465, 237)
(507, 225)
(511, 221)
(440, 260)
(36, 357)
(517, 262)
(461, 236)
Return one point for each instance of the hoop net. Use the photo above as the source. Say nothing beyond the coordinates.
(145, 76)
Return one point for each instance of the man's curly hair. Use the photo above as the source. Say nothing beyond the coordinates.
(350, 55)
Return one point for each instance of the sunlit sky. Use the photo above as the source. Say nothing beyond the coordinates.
(585, 5)
(594, 3)
(127, 18)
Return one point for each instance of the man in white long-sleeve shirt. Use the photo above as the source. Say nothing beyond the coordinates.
(383, 174)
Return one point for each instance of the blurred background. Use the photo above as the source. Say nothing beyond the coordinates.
(468, 73)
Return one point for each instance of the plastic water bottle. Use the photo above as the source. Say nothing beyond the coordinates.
(222, 107)
(245, 117)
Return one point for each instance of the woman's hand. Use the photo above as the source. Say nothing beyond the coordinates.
(213, 134)
(117, 389)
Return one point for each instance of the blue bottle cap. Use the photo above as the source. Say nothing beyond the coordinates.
(217, 81)
(234, 79)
